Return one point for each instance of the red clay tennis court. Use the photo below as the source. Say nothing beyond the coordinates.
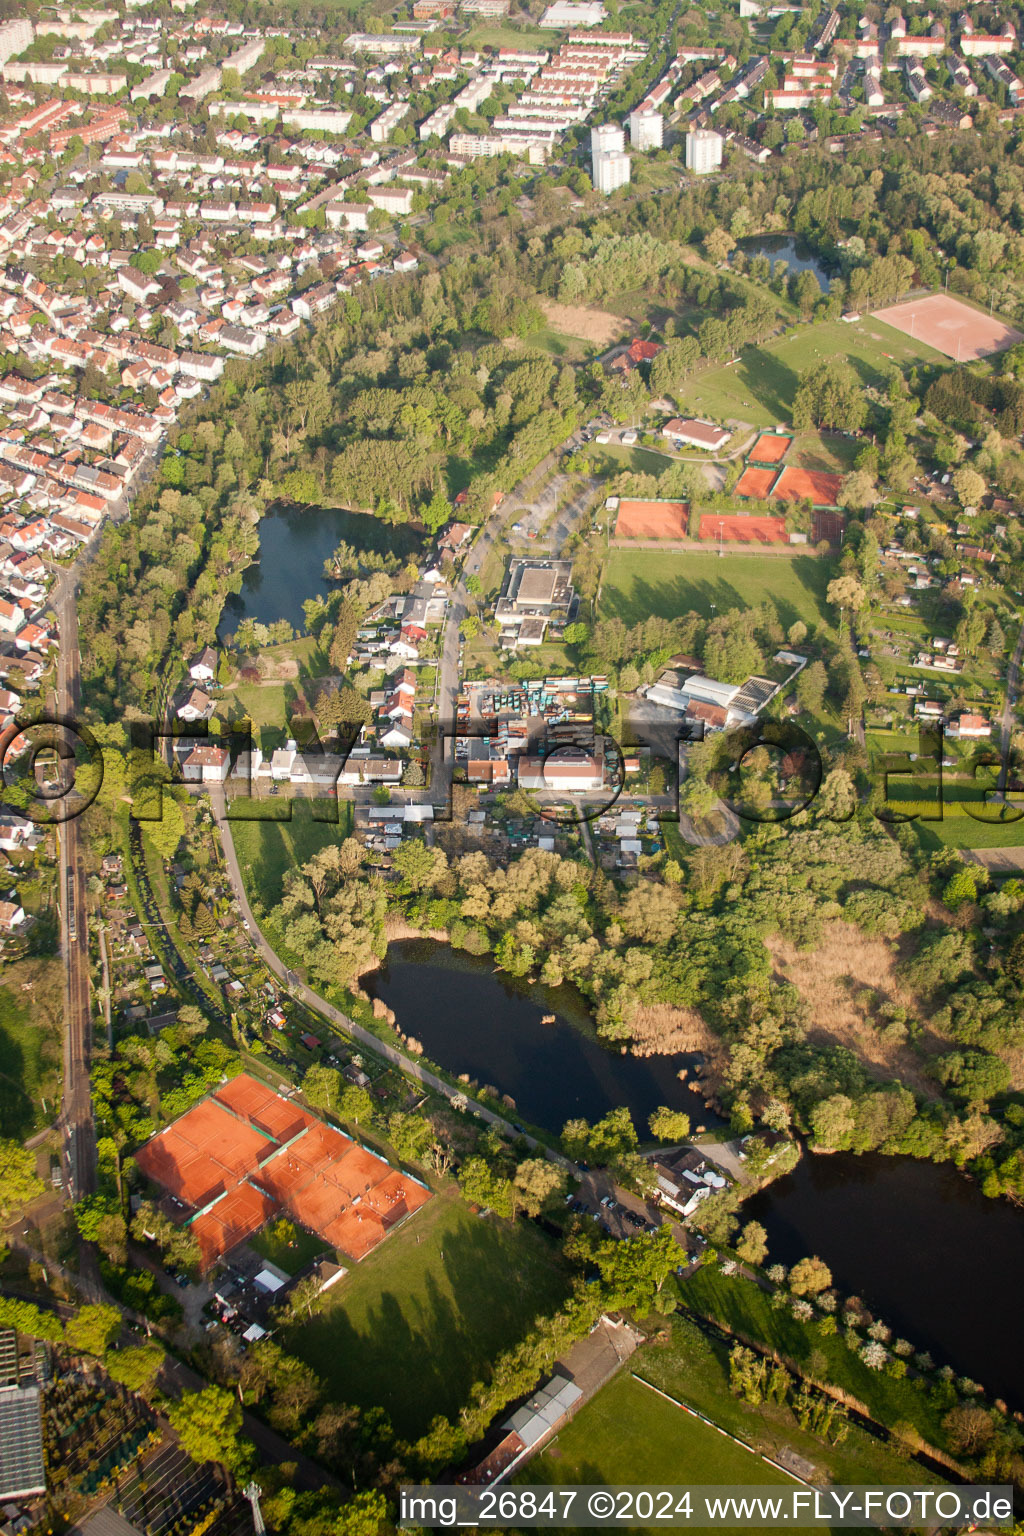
(770, 448)
(263, 1108)
(174, 1164)
(816, 485)
(247, 1154)
(652, 520)
(737, 529)
(950, 326)
(756, 484)
(241, 1213)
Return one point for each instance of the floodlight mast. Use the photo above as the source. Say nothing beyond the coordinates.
(252, 1491)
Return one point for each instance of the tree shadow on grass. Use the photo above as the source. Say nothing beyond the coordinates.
(419, 1353)
(769, 381)
(17, 1115)
(676, 596)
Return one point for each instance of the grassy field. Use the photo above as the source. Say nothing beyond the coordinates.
(628, 1434)
(744, 1309)
(818, 450)
(264, 703)
(568, 349)
(957, 827)
(760, 386)
(266, 848)
(611, 459)
(958, 830)
(29, 1047)
(695, 1369)
(487, 35)
(415, 1324)
(639, 583)
(289, 1256)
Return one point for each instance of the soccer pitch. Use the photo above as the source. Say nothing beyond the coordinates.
(641, 583)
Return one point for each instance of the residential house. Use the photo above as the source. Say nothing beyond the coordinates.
(198, 706)
(204, 668)
(207, 764)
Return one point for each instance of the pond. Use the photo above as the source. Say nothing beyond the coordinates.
(918, 1242)
(925, 1250)
(294, 543)
(473, 1019)
(794, 251)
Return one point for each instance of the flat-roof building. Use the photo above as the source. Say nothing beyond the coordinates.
(22, 1473)
(703, 151)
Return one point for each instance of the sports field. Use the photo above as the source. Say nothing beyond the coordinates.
(829, 526)
(759, 387)
(630, 1434)
(743, 530)
(652, 520)
(951, 326)
(411, 1329)
(246, 1153)
(639, 583)
(816, 485)
(770, 448)
(756, 484)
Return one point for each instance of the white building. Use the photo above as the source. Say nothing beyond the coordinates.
(610, 163)
(385, 44)
(703, 151)
(207, 764)
(563, 772)
(244, 58)
(394, 200)
(485, 145)
(573, 13)
(917, 80)
(384, 126)
(15, 37)
(155, 85)
(646, 129)
(318, 119)
(343, 215)
(439, 121)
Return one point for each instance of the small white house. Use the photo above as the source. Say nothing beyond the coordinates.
(207, 764)
(198, 706)
(12, 917)
(204, 668)
(398, 735)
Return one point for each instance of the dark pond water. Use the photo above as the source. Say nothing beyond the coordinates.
(294, 543)
(923, 1248)
(475, 1020)
(927, 1252)
(795, 252)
